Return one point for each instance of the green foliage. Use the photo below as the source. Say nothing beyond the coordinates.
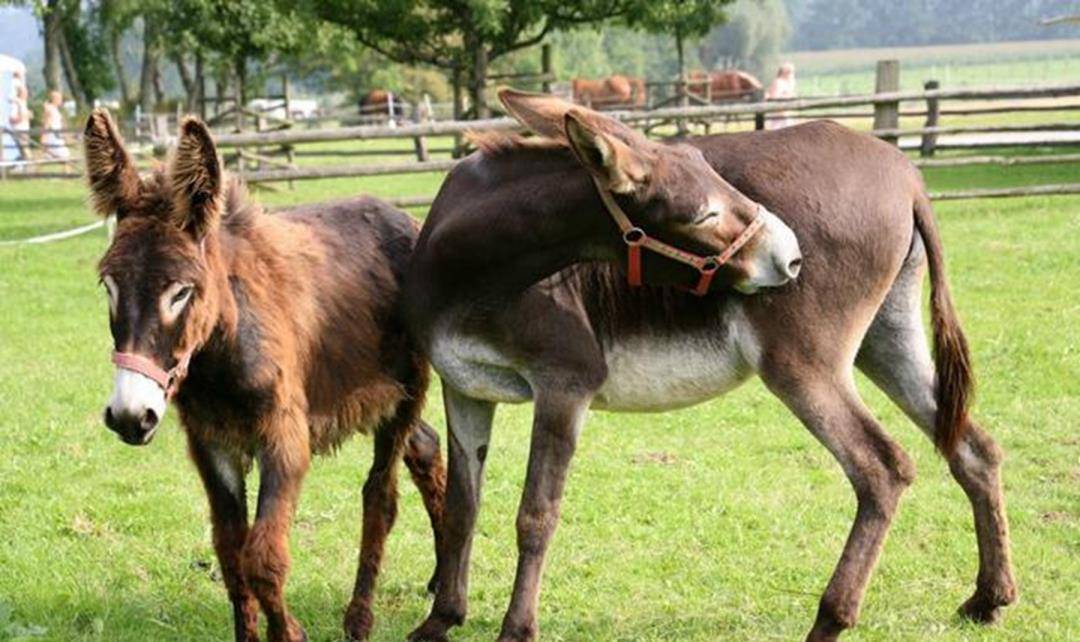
(751, 39)
(686, 19)
(84, 31)
(841, 24)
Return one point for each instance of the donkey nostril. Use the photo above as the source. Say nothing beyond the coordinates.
(149, 420)
(794, 266)
(109, 421)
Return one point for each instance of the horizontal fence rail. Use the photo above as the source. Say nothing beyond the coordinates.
(264, 149)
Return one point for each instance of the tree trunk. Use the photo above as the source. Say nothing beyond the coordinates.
(72, 75)
(53, 31)
(478, 82)
(459, 109)
(151, 54)
(118, 68)
(684, 97)
(200, 86)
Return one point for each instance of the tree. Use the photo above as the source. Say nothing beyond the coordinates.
(751, 39)
(683, 19)
(462, 37)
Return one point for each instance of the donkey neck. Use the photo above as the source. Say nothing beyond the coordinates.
(512, 219)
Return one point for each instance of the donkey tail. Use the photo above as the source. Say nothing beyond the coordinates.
(952, 360)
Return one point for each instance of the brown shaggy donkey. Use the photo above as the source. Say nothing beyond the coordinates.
(277, 337)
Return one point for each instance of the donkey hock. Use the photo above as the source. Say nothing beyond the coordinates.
(277, 337)
(548, 325)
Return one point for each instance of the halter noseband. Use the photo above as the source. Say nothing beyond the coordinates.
(167, 380)
(636, 239)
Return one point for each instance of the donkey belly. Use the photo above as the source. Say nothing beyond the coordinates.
(669, 367)
(649, 374)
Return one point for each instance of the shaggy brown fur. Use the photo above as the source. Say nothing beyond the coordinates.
(297, 343)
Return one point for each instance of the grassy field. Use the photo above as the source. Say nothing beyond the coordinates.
(720, 522)
(851, 71)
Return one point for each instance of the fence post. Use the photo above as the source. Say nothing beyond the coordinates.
(290, 151)
(545, 66)
(419, 142)
(933, 113)
(887, 114)
(759, 116)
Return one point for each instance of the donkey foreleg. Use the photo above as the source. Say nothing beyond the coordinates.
(558, 420)
(878, 470)
(469, 421)
(283, 462)
(222, 474)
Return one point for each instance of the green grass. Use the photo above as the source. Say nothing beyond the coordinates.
(848, 71)
(720, 522)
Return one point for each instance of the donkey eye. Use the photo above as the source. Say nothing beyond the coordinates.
(711, 214)
(111, 289)
(182, 294)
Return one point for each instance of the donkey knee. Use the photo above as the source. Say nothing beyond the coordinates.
(265, 560)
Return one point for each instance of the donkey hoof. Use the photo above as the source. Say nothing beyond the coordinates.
(981, 609)
(358, 623)
(432, 630)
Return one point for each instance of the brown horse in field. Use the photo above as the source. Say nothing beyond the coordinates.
(380, 102)
(277, 337)
(611, 92)
(520, 288)
(720, 86)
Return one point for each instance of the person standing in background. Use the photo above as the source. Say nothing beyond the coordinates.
(781, 88)
(52, 128)
(19, 119)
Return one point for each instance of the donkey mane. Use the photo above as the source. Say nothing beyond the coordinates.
(497, 143)
(238, 210)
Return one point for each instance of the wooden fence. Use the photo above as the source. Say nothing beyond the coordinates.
(886, 107)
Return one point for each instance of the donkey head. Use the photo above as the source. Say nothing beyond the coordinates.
(157, 271)
(668, 191)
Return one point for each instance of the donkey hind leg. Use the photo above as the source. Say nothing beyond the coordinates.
(895, 356)
(469, 431)
(222, 475)
(380, 510)
(282, 466)
(424, 461)
(557, 422)
(878, 470)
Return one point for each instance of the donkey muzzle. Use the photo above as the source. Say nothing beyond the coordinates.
(135, 408)
(776, 260)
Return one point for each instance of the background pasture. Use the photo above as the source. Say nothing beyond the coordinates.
(720, 522)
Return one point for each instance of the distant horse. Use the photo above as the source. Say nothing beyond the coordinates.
(380, 102)
(720, 86)
(277, 337)
(606, 93)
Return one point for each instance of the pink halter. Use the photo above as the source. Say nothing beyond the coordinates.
(168, 380)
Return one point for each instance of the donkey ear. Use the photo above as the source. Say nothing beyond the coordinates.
(541, 114)
(114, 183)
(196, 180)
(622, 168)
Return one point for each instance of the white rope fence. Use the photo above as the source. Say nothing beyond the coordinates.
(55, 236)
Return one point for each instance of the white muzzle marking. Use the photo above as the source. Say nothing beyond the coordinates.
(776, 259)
(135, 393)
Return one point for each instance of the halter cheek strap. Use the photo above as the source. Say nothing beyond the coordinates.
(636, 239)
(167, 380)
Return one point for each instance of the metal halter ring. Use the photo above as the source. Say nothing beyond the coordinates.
(634, 236)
